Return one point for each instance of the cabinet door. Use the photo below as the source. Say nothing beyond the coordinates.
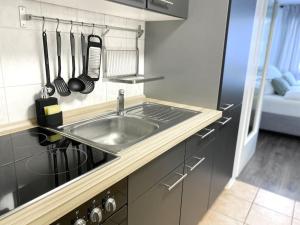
(149, 175)
(161, 204)
(119, 218)
(239, 36)
(135, 3)
(196, 186)
(177, 8)
(224, 152)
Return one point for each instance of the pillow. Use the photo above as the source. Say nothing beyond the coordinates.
(273, 72)
(290, 78)
(292, 95)
(295, 88)
(280, 85)
(268, 87)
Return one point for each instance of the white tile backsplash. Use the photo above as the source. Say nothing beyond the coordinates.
(1, 76)
(21, 56)
(20, 101)
(9, 13)
(22, 62)
(3, 108)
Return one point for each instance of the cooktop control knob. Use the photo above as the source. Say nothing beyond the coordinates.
(96, 215)
(110, 205)
(80, 222)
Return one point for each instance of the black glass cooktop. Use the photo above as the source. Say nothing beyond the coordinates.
(36, 161)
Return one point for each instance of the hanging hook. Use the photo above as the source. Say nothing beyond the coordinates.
(93, 29)
(105, 31)
(71, 26)
(43, 28)
(57, 24)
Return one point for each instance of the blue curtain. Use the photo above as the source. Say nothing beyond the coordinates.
(286, 44)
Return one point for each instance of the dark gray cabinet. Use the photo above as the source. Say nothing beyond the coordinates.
(196, 187)
(136, 3)
(119, 218)
(161, 204)
(178, 8)
(237, 49)
(224, 151)
(149, 175)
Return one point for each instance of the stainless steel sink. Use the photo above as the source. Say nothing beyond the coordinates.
(114, 130)
(114, 133)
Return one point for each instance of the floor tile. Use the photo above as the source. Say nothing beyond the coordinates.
(243, 191)
(297, 211)
(296, 222)
(262, 216)
(275, 202)
(231, 206)
(214, 218)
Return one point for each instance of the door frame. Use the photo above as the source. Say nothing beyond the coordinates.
(247, 142)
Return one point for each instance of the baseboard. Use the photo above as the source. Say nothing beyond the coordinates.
(230, 183)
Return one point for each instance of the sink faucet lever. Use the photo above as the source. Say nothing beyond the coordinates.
(121, 102)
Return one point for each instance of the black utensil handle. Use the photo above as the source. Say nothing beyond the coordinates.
(83, 45)
(72, 41)
(58, 41)
(83, 50)
(46, 57)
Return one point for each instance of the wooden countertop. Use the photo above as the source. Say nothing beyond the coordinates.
(55, 205)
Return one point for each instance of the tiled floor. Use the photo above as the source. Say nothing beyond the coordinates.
(244, 204)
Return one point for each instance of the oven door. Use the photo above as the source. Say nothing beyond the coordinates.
(119, 218)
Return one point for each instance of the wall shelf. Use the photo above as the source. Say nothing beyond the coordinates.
(133, 79)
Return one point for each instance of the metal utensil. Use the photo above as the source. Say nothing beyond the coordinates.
(74, 83)
(94, 57)
(60, 84)
(89, 84)
(50, 87)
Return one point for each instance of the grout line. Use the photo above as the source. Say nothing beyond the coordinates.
(252, 203)
(229, 217)
(235, 219)
(293, 212)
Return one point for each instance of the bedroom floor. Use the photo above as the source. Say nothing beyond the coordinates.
(276, 165)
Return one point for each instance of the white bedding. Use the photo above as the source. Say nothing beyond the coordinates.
(280, 105)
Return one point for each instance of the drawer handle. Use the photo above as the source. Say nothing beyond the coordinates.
(171, 187)
(167, 2)
(226, 121)
(210, 131)
(201, 160)
(228, 106)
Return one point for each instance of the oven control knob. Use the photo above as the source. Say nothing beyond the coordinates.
(96, 215)
(80, 222)
(110, 205)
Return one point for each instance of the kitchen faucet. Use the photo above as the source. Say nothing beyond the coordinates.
(120, 103)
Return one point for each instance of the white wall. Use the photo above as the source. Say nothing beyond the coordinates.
(21, 57)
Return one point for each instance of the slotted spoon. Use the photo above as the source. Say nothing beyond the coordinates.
(60, 84)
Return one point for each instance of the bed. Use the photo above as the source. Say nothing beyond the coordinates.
(281, 113)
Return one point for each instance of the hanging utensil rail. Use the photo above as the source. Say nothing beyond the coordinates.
(28, 17)
(123, 78)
